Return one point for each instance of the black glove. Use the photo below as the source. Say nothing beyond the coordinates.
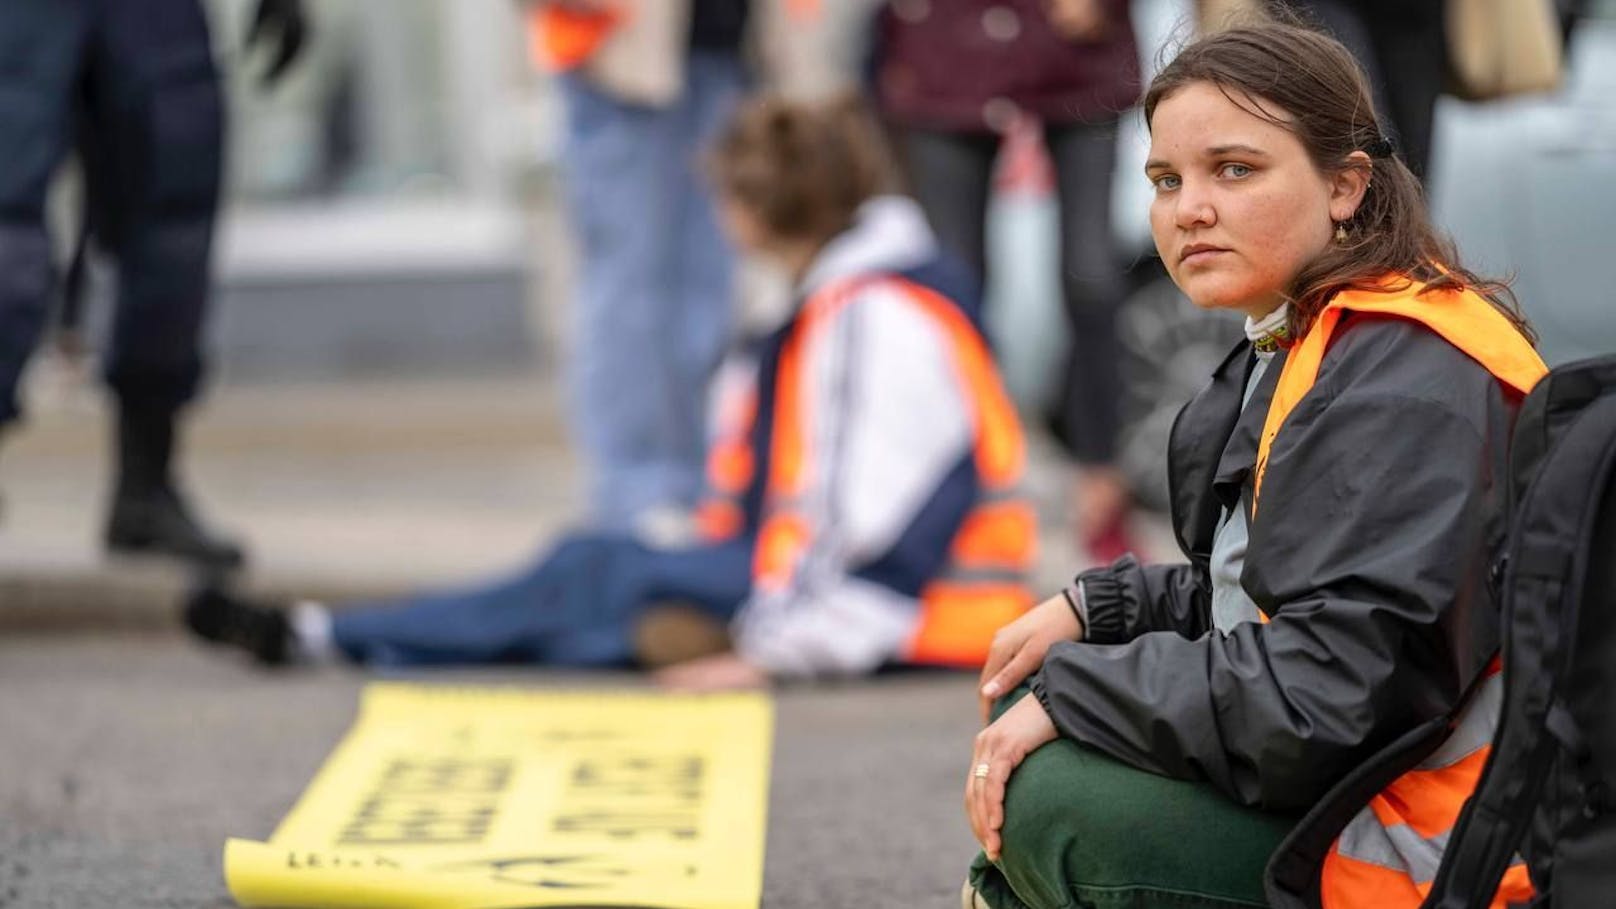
(283, 23)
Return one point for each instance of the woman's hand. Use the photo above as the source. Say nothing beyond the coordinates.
(1001, 748)
(1018, 648)
(720, 672)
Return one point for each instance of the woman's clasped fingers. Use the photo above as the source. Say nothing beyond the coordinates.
(984, 792)
(1000, 656)
(999, 749)
(1018, 648)
(984, 801)
(975, 782)
(990, 801)
(1012, 672)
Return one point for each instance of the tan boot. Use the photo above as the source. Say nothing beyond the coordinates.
(672, 633)
(970, 899)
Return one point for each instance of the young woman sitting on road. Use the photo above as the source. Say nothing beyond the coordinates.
(1328, 647)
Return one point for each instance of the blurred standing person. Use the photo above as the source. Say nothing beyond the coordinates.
(1403, 46)
(953, 77)
(647, 83)
(132, 84)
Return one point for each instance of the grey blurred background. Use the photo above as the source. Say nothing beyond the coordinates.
(392, 286)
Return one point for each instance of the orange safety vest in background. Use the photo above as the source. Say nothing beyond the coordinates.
(561, 38)
(982, 585)
(1387, 855)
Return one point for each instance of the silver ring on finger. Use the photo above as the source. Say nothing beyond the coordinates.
(980, 771)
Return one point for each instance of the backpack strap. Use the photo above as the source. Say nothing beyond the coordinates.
(1547, 564)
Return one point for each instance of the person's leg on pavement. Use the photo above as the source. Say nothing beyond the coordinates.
(508, 619)
(152, 146)
(686, 599)
(586, 582)
(42, 47)
(1084, 830)
(1084, 157)
(585, 588)
(578, 605)
(951, 175)
(698, 318)
(623, 211)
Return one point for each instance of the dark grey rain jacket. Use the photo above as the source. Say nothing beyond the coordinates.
(1381, 507)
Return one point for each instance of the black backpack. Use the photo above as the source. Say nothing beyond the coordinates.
(1546, 793)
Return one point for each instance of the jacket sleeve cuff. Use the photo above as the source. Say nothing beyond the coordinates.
(1078, 601)
(1102, 605)
(1036, 685)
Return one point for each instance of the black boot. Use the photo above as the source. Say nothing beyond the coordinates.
(148, 514)
(220, 618)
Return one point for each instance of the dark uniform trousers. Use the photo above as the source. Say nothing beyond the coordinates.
(132, 84)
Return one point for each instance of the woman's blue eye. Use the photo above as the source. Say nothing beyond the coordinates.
(1166, 182)
(1236, 170)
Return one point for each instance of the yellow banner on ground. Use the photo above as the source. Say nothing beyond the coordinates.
(488, 798)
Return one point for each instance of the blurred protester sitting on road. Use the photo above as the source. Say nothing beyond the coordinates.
(646, 84)
(952, 78)
(1336, 492)
(863, 501)
(131, 86)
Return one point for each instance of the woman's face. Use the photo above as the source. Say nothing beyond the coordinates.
(1239, 208)
(741, 226)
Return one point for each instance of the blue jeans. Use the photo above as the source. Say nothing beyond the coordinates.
(654, 293)
(576, 607)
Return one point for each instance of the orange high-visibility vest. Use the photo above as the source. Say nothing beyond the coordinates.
(560, 39)
(982, 586)
(1387, 855)
(731, 465)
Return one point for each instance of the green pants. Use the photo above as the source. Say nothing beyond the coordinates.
(1082, 829)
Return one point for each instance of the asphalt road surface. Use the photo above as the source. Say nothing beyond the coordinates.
(126, 760)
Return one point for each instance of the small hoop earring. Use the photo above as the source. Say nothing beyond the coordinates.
(1340, 232)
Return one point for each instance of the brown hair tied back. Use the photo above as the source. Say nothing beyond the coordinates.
(1315, 80)
(803, 168)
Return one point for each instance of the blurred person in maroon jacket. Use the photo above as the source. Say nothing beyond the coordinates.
(951, 76)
